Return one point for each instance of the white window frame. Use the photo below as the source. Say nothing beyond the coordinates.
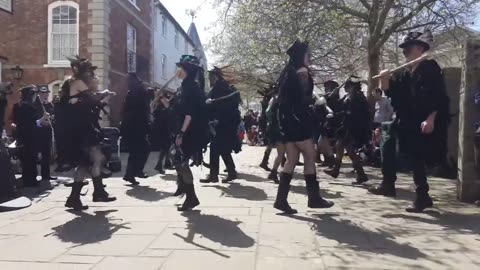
(164, 26)
(163, 61)
(186, 46)
(177, 39)
(134, 3)
(134, 69)
(60, 63)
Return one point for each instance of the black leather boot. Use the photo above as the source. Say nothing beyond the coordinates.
(73, 200)
(180, 188)
(211, 178)
(99, 193)
(191, 200)
(274, 176)
(329, 162)
(232, 175)
(315, 200)
(422, 202)
(335, 171)
(361, 176)
(384, 190)
(266, 156)
(281, 202)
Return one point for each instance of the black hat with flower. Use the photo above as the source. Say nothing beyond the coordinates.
(189, 60)
(424, 39)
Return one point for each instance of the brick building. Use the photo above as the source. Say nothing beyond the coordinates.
(37, 36)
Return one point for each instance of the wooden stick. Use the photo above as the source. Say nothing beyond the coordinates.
(413, 62)
(225, 97)
(154, 103)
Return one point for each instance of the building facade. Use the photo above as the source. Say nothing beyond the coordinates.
(38, 36)
(170, 42)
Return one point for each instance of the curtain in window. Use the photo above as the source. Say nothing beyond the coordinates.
(64, 33)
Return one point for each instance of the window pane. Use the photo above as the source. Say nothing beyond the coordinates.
(64, 42)
(56, 11)
(64, 10)
(72, 13)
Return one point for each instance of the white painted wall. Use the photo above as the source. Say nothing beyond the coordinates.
(165, 45)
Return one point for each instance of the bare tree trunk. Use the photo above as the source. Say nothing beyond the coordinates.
(373, 69)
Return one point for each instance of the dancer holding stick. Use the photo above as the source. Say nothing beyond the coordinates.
(419, 98)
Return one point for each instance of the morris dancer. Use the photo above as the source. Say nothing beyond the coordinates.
(81, 94)
(223, 109)
(355, 130)
(192, 124)
(296, 126)
(421, 104)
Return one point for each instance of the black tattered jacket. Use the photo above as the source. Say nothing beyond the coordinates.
(414, 96)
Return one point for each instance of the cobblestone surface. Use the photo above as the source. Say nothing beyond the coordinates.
(235, 227)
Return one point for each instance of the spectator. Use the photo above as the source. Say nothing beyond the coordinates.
(383, 109)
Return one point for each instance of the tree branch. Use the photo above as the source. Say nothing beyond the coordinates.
(395, 25)
(382, 18)
(334, 4)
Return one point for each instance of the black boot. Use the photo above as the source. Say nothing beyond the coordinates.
(421, 203)
(264, 165)
(274, 176)
(281, 202)
(361, 176)
(232, 175)
(180, 188)
(266, 156)
(329, 162)
(99, 193)
(211, 178)
(131, 180)
(384, 190)
(191, 200)
(313, 191)
(159, 168)
(335, 171)
(73, 200)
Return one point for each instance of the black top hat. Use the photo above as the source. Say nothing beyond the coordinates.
(331, 83)
(28, 89)
(189, 60)
(418, 38)
(353, 80)
(298, 47)
(216, 71)
(80, 65)
(43, 89)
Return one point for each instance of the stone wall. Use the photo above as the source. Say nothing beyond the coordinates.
(453, 81)
(468, 180)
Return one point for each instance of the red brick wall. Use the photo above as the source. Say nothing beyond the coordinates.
(24, 41)
(119, 18)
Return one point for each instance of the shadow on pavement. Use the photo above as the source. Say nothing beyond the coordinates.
(86, 228)
(252, 178)
(147, 194)
(451, 221)
(216, 229)
(43, 190)
(325, 193)
(239, 191)
(169, 177)
(344, 231)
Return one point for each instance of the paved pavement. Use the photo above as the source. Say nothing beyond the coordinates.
(236, 228)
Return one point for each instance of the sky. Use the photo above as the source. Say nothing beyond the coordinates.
(205, 20)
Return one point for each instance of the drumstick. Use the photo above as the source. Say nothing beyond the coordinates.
(413, 62)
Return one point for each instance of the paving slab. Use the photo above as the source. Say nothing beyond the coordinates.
(236, 226)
